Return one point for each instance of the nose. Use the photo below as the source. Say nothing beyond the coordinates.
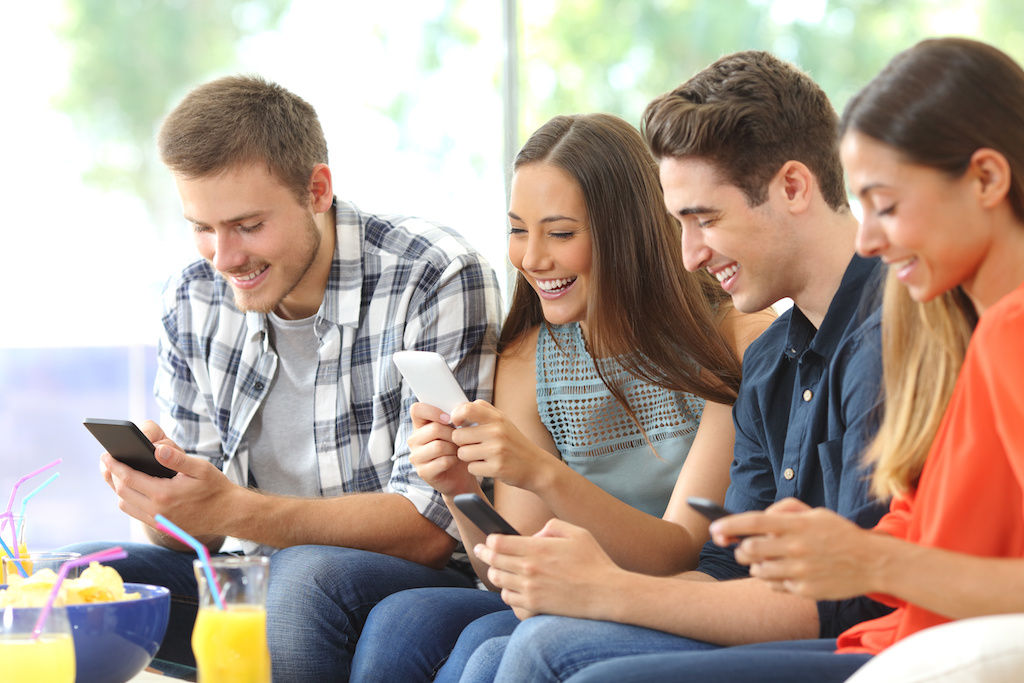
(535, 257)
(227, 253)
(870, 238)
(696, 252)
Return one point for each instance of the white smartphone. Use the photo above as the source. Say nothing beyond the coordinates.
(430, 379)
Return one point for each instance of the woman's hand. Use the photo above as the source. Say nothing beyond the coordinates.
(814, 553)
(433, 453)
(493, 446)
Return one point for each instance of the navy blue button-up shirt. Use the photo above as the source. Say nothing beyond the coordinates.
(808, 406)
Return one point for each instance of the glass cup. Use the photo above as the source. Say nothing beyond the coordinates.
(34, 562)
(26, 659)
(230, 644)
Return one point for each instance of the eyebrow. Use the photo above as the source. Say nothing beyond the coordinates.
(547, 219)
(868, 188)
(230, 221)
(691, 210)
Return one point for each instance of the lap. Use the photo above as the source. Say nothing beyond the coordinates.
(774, 662)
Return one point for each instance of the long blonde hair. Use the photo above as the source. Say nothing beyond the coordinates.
(923, 347)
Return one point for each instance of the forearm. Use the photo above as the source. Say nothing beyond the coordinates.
(157, 537)
(385, 523)
(695, 606)
(634, 539)
(952, 584)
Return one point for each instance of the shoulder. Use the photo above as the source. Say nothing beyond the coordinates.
(769, 345)
(742, 329)
(407, 239)
(996, 339)
(515, 378)
(198, 301)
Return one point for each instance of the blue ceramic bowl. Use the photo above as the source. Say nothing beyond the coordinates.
(116, 640)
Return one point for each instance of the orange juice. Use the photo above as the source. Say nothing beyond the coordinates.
(231, 645)
(12, 568)
(51, 658)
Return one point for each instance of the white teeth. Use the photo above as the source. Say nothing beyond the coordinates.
(551, 285)
(726, 273)
(251, 276)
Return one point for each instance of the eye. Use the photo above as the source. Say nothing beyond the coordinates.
(513, 230)
(561, 235)
(887, 211)
(250, 228)
(197, 228)
(707, 222)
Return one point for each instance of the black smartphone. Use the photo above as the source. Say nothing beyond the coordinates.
(127, 444)
(483, 515)
(708, 508)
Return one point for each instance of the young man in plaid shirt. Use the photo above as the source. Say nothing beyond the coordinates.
(282, 411)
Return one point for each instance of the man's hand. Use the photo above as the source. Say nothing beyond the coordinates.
(433, 453)
(559, 570)
(193, 499)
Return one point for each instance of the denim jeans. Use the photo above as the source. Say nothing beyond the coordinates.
(317, 602)
(409, 635)
(795, 661)
(549, 648)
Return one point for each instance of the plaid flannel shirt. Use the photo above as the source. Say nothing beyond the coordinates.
(395, 283)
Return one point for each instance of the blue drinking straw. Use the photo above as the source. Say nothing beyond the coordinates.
(14, 558)
(28, 496)
(172, 529)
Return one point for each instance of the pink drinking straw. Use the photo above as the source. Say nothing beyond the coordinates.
(14, 492)
(171, 529)
(115, 553)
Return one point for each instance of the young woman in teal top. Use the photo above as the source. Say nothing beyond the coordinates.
(615, 375)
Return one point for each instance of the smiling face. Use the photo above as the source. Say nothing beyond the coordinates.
(920, 221)
(254, 232)
(745, 248)
(550, 241)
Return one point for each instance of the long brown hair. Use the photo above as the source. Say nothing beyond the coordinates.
(935, 104)
(644, 307)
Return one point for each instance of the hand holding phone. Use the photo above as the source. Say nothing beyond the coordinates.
(430, 379)
(708, 508)
(126, 443)
(483, 515)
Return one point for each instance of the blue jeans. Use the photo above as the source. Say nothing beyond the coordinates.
(317, 601)
(409, 635)
(794, 661)
(549, 648)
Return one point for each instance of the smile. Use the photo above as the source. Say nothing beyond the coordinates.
(248, 279)
(552, 289)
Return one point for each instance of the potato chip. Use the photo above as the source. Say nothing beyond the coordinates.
(98, 583)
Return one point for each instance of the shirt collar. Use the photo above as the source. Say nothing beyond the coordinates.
(851, 303)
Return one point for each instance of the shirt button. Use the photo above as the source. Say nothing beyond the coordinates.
(788, 473)
(258, 386)
(808, 394)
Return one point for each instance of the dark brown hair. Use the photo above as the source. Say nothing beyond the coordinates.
(748, 114)
(935, 104)
(643, 307)
(242, 120)
(940, 101)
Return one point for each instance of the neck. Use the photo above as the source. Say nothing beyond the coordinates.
(1002, 269)
(827, 245)
(306, 298)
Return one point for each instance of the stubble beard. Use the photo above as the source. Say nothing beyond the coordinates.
(312, 239)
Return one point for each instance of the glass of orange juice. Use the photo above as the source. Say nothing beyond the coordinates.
(230, 644)
(25, 658)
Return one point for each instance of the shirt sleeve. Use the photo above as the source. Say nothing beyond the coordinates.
(751, 482)
(458, 317)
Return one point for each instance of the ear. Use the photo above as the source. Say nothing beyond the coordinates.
(321, 189)
(991, 171)
(795, 184)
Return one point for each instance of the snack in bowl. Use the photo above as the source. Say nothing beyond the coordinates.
(117, 627)
(98, 583)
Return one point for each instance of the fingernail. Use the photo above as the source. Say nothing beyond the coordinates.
(446, 418)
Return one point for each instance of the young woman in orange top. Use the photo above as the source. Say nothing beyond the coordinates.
(934, 149)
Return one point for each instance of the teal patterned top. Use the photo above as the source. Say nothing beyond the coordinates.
(594, 434)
